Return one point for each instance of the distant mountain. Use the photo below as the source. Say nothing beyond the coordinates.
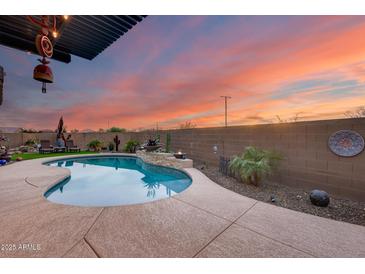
(10, 129)
(47, 130)
(87, 130)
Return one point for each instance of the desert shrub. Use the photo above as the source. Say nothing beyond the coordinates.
(30, 142)
(187, 125)
(116, 129)
(254, 164)
(131, 146)
(95, 145)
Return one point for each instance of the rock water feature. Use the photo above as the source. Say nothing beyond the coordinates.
(164, 159)
(152, 145)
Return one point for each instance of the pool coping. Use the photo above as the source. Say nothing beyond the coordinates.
(205, 220)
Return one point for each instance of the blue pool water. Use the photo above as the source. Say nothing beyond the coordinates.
(110, 181)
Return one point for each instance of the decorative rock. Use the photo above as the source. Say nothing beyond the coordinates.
(319, 198)
(164, 159)
(19, 159)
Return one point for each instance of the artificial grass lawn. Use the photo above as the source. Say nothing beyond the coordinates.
(36, 155)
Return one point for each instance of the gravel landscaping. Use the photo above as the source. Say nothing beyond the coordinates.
(292, 198)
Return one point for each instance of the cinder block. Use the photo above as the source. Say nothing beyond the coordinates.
(316, 128)
(340, 168)
(297, 128)
(316, 165)
(359, 126)
(339, 181)
(307, 154)
(336, 125)
(297, 162)
(358, 184)
(326, 155)
(315, 177)
(297, 172)
(358, 171)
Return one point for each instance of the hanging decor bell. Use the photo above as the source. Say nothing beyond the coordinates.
(43, 73)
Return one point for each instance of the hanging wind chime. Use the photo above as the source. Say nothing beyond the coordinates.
(47, 24)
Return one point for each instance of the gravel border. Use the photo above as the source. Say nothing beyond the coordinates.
(292, 198)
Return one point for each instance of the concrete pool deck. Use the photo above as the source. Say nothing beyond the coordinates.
(205, 220)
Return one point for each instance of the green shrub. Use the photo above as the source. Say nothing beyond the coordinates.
(116, 129)
(131, 146)
(30, 142)
(254, 164)
(95, 145)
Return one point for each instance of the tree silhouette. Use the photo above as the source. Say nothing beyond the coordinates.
(357, 113)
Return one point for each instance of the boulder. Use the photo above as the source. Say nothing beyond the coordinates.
(319, 198)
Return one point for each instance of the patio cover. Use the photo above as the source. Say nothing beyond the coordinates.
(82, 35)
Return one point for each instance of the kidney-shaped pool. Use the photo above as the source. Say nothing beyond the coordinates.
(110, 181)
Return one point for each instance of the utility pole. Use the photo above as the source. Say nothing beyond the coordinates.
(225, 108)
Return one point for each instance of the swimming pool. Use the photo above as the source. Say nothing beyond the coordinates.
(110, 181)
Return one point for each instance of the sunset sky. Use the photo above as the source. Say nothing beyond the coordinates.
(172, 69)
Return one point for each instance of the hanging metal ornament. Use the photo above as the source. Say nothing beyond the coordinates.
(42, 72)
(44, 46)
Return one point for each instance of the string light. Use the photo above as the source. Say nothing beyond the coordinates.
(55, 34)
(65, 17)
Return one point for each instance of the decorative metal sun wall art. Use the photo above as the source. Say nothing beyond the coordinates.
(346, 143)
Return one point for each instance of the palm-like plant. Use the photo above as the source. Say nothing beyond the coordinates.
(151, 186)
(254, 164)
(95, 145)
(131, 146)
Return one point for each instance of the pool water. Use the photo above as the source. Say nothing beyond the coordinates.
(110, 181)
